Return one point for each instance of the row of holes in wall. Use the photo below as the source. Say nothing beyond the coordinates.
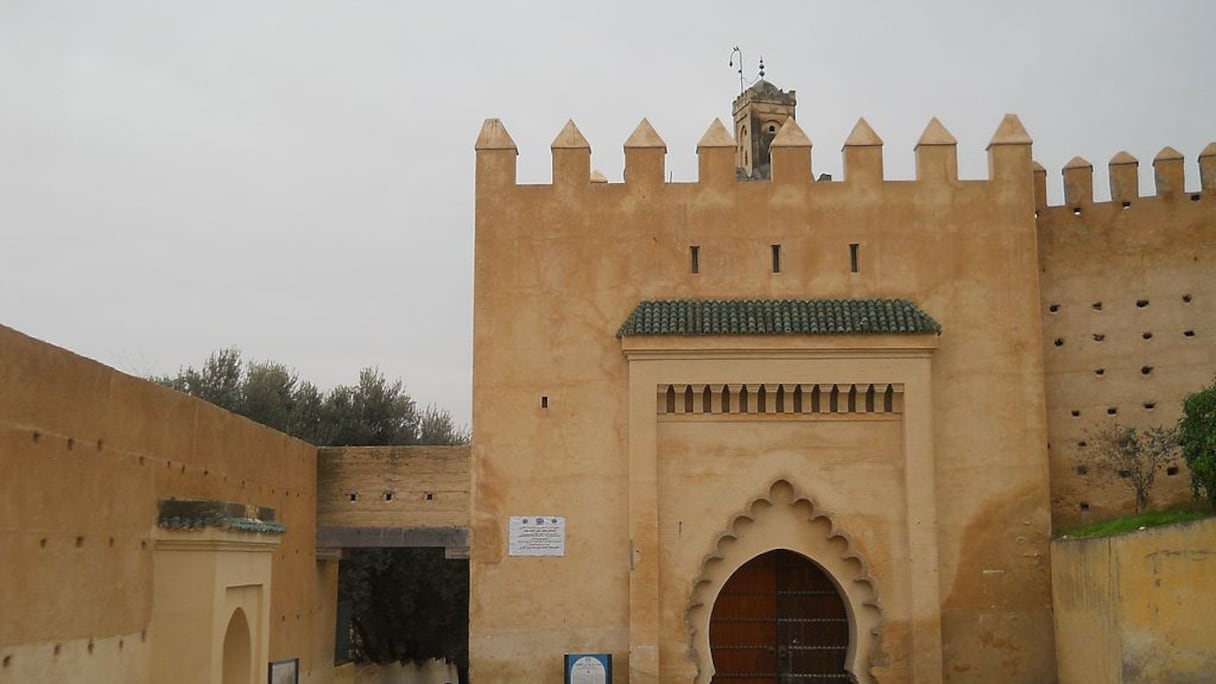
(1140, 304)
(58, 648)
(1076, 211)
(1101, 337)
(780, 398)
(694, 258)
(387, 495)
(1114, 411)
(141, 460)
(1171, 471)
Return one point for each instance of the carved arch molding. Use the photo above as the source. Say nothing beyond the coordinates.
(782, 518)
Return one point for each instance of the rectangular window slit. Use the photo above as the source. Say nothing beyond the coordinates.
(854, 257)
(694, 257)
(544, 402)
(776, 258)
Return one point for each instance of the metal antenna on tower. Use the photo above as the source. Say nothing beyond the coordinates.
(739, 52)
(743, 83)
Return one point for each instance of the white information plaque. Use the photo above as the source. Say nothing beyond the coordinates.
(588, 670)
(537, 536)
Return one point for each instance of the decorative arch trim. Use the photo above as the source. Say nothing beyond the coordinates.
(784, 518)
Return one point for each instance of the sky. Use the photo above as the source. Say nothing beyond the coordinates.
(295, 178)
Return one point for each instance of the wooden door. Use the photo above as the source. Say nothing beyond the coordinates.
(779, 620)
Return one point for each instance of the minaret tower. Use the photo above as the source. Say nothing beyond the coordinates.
(759, 113)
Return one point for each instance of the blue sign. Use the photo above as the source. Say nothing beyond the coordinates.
(588, 668)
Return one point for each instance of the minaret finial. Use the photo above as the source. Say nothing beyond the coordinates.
(761, 66)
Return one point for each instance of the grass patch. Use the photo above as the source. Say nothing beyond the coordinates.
(1130, 523)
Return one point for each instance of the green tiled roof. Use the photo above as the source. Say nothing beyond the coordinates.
(778, 317)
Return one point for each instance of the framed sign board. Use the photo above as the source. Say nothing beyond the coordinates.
(285, 671)
(536, 535)
(588, 668)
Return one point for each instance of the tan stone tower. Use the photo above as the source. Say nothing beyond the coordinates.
(759, 112)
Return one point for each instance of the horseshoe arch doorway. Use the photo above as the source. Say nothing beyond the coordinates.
(779, 619)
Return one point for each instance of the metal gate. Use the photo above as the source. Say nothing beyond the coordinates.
(779, 620)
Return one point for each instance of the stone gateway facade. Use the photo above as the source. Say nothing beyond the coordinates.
(762, 427)
(807, 427)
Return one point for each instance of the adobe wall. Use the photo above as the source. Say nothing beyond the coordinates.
(410, 486)
(1132, 608)
(86, 452)
(1128, 302)
(558, 268)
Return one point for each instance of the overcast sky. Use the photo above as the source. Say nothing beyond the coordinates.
(296, 178)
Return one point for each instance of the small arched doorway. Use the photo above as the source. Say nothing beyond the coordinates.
(237, 647)
(779, 619)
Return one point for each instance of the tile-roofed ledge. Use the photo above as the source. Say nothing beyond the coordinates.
(692, 317)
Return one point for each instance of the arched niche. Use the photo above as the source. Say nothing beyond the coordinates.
(782, 518)
(238, 649)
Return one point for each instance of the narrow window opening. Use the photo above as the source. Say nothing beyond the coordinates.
(816, 400)
(1188, 333)
(1082, 444)
(1075, 413)
(1098, 337)
(707, 401)
(1147, 335)
(688, 399)
(1111, 411)
(694, 257)
(854, 257)
(1082, 470)
(725, 399)
(1141, 303)
(544, 401)
(780, 398)
(888, 400)
(1085, 506)
(852, 399)
(743, 399)
(1171, 471)
(1076, 211)
(1145, 370)
(834, 400)
(1059, 342)
(1099, 372)
(671, 399)
(870, 400)
(388, 496)
(1195, 197)
(1097, 306)
(776, 258)
(1127, 205)
(1150, 405)
(1186, 299)
(762, 400)
(430, 496)
(1054, 308)
(353, 497)
(798, 399)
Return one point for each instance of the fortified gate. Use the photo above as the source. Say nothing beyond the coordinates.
(794, 427)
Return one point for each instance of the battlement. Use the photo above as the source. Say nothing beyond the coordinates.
(1168, 175)
(718, 160)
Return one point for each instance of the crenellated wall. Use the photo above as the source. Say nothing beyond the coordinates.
(86, 455)
(558, 268)
(1128, 303)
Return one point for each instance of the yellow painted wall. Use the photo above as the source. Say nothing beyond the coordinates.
(1122, 273)
(86, 452)
(1133, 609)
(409, 473)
